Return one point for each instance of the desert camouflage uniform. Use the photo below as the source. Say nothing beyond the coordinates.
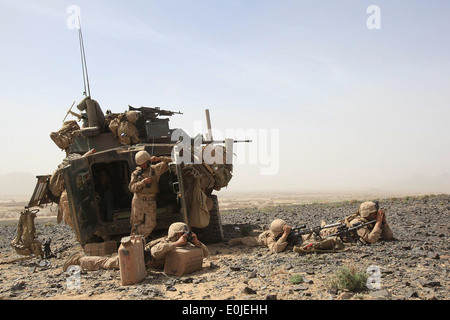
(143, 212)
(371, 233)
(65, 209)
(367, 234)
(93, 263)
(159, 251)
(265, 239)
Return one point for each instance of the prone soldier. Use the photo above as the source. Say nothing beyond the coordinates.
(275, 238)
(370, 232)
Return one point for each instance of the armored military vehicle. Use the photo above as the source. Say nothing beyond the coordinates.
(101, 157)
(91, 184)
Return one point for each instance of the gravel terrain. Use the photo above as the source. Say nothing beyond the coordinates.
(415, 266)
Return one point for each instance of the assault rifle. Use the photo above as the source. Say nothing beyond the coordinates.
(347, 234)
(316, 230)
(294, 237)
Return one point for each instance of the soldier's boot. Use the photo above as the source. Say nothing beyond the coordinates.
(74, 259)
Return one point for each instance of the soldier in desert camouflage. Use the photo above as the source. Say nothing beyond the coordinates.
(368, 211)
(268, 238)
(144, 185)
(158, 249)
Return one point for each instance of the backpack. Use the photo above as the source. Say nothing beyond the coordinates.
(222, 177)
(64, 136)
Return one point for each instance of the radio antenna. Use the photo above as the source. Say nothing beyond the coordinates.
(83, 61)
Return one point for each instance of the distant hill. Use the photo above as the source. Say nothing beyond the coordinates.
(21, 184)
(422, 183)
(17, 184)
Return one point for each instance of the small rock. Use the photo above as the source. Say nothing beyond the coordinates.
(249, 290)
(431, 283)
(252, 274)
(433, 255)
(271, 297)
(412, 294)
(332, 291)
(187, 279)
(345, 295)
(300, 288)
(18, 286)
(380, 293)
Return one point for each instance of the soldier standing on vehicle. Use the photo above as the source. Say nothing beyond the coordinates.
(144, 185)
(268, 238)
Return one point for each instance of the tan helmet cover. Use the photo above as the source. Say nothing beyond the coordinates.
(132, 116)
(277, 226)
(175, 228)
(142, 157)
(366, 208)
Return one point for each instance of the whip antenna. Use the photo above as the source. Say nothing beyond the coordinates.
(83, 61)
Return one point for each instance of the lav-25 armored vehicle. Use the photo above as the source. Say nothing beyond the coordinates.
(100, 208)
(91, 184)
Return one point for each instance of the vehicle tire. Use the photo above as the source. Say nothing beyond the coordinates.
(213, 233)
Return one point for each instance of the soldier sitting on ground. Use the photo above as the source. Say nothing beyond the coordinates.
(268, 238)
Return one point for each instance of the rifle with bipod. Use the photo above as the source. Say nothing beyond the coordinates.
(348, 234)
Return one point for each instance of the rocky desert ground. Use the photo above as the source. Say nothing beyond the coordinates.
(414, 266)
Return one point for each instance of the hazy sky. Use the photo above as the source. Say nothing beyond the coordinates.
(330, 102)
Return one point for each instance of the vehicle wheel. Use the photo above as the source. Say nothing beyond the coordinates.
(213, 233)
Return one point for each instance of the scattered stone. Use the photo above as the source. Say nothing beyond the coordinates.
(345, 295)
(248, 290)
(300, 287)
(432, 283)
(252, 274)
(433, 255)
(416, 266)
(380, 294)
(412, 294)
(18, 286)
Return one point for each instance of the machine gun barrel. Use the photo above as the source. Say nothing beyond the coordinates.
(153, 112)
(319, 228)
(347, 231)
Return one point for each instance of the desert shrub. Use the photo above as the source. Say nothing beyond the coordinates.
(296, 279)
(349, 278)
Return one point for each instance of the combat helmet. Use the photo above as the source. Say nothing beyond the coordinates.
(142, 157)
(277, 226)
(177, 227)
(367, 208)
